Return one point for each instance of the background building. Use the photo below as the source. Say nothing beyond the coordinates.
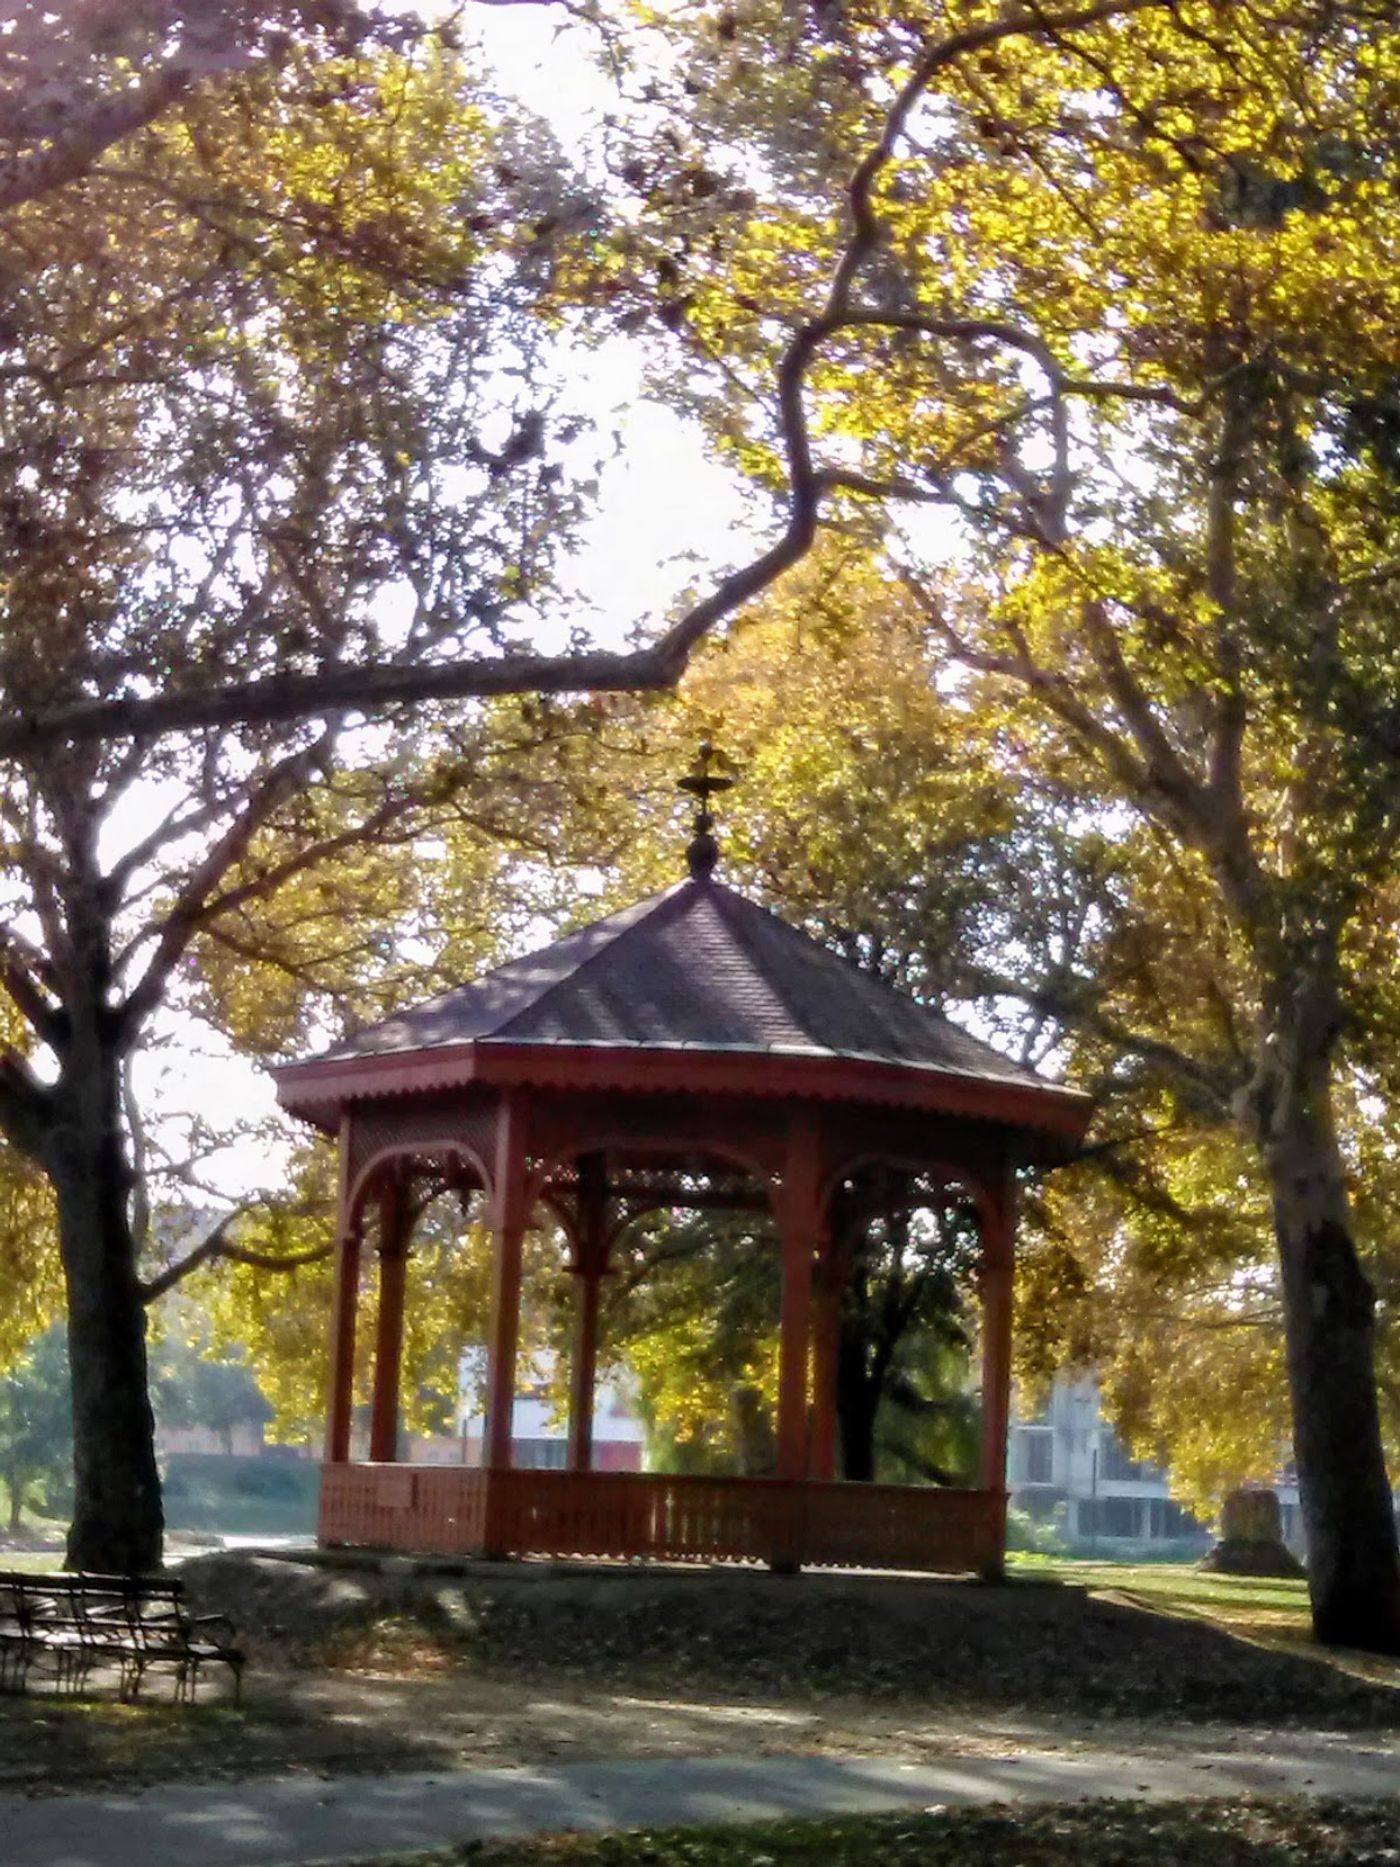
(1068, 1470)
(539, 1440)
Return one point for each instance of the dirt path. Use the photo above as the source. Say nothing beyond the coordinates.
(357, 1671)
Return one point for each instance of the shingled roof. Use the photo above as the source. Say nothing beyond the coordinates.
(696, 967)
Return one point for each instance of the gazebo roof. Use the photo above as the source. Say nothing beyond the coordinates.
(694, 969)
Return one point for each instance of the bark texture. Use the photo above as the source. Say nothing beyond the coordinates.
(118, 1521)
(1329, 1309)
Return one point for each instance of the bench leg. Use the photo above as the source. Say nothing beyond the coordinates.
(14, 1666)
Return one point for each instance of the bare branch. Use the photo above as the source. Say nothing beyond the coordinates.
(1056, 690)
(192, 907)
(216, 1246)
(1077, 1012)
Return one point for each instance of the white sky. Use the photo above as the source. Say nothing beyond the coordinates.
(667, 518)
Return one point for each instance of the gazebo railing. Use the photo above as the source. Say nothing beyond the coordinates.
(440, 1510)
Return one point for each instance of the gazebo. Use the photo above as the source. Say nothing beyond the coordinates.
(692, 1051)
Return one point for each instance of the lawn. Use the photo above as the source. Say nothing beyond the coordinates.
(31, 1561)
(1263, 1607)
(1099, 1834)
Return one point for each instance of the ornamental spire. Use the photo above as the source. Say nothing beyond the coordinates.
(703, 783)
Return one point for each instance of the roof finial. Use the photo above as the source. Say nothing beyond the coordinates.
(703, 783)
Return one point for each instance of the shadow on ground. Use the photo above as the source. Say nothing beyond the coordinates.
(357, 1670)
(1026, 1647)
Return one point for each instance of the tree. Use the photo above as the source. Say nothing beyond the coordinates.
(36, 1426)
(1154, 1260)
(193, 1385)
(1115, 293)
(76, 84)
(82, 94)
(692, 1317)
(901, 1368)
(232, 447)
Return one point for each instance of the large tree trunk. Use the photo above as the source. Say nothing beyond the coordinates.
(117, 1518)
(1329, 1310)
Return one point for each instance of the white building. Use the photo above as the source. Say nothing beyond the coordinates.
(540, 1442)
(1067, 1468)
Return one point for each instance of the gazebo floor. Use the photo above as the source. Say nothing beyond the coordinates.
(457, 1510)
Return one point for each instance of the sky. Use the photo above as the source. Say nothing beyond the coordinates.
(667, 514)
(667, 519)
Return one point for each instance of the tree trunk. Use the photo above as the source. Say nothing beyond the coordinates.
(117, 1518)
(1329, 1311)
(756, 1442)
(857, 1403)
(16, 1490)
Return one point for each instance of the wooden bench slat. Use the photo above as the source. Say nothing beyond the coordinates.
(136, 1621)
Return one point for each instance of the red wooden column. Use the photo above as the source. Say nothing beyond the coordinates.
(344, 1300)
(388, 1350)
(826, 1347)
(508, 1221)
(800, 1224)
(591, 1257)
(998, 1273)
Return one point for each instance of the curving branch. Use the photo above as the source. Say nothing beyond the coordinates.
(192, 906)
(375, 687)
(218, 1247)
(1014, 23)
(73, 153)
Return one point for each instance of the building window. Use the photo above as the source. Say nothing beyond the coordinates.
(1108, 1516)
(1116, 1463)
(540, 1455)
(1178, 1522)
(1037, 1457)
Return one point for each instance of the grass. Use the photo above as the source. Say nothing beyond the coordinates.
(1264, 1833)
(31, 1561)
(1270, 1611)
(1259, 1607)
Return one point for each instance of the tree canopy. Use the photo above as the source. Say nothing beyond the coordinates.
(1101, 334)
(275, 397)
(1077, 322)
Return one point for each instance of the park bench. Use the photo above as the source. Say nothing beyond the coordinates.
(73, 1623)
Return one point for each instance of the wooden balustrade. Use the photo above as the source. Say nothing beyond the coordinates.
(443, 1509)
(439, 1510)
